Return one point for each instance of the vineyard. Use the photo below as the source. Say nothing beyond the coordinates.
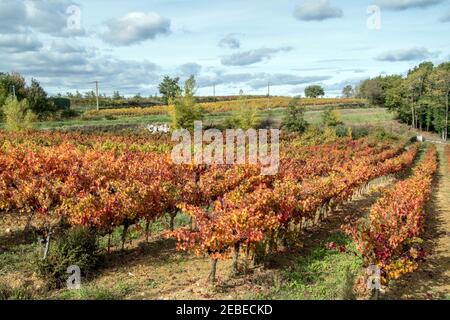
(389, 238)
(107, 183)
(226, 106)
(219, 159)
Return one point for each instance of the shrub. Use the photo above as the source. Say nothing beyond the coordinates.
(185, 111)
(359, 132)
(69, 113)
(60, 103)
(18, 115)
(245, 117)
(331, 118)
(7, 292)
(380, 134)
(295, 117)
(76, 246)
(109, 117)
(343, 131)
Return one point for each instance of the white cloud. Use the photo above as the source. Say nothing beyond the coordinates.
(261, 80)
(230, 41)
(257, 80)
(11, 11)
(413, 54)
(135, 27)
(317, 10)
(45, 16)
(19, 43)
(253, 56)
(190, 68)
(446, 17)
(71, 67)
(399, 5)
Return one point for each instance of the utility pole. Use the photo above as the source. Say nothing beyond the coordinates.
(214, 91)
(14, 91)
(268, 94)
(96, 92)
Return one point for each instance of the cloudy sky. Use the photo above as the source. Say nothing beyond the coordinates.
(238, 44)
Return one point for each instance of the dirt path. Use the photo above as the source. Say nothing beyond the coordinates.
(432, 280)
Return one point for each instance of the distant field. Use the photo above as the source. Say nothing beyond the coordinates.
(216, 113)
(371, 116)
(226, 106)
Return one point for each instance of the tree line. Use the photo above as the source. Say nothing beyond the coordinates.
(22, 104)
(420, 99)
(14, 85)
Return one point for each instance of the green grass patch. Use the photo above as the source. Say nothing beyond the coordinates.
(348, 116)
(142, 120)
(91, 293)
(322, 274)
(18, 257)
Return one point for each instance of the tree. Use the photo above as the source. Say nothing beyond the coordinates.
(440, 91)
(116, 95)
(18, 115)
(14, 84)
(415, 85)
(190, 87)
(90, 95)
(14, 80)
(37, 98)
(185, 111)
(78, 95)
(348, 91)
(245, 117)
(420, 99)
(169, 89)
(314, 91)
(3, 96)
(331, 118)
(395, 100)
(372, 90)
(294, 120)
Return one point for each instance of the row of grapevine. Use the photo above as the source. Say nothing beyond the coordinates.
(389, 237)
(226, 106)
(106, 183)
(258, 214)
(137, 142)
(101, 189)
